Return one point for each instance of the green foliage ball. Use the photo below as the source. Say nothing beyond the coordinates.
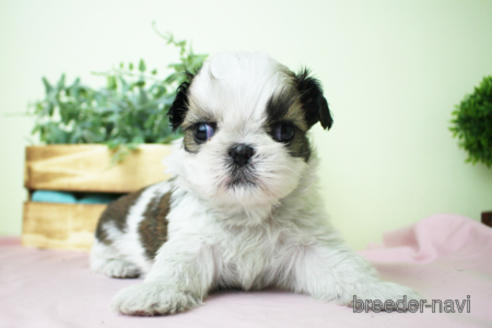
(472, 123)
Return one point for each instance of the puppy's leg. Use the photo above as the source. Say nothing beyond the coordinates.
(330, 271)
(179, 279)
(104, 259)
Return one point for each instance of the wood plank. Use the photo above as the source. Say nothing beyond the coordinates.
(88, 168)
(55, 225)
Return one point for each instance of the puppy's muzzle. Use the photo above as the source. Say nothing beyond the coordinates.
(241, 154)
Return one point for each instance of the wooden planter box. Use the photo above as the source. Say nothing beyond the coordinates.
(80, 168)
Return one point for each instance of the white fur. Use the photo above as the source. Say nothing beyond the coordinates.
(275, 233)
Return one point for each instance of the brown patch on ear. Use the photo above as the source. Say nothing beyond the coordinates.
(116, 212)
(153, 228)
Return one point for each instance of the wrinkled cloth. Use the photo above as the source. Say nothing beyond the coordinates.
(441, 257)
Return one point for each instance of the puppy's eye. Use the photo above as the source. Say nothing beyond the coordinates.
(203, 131)
(283, 131)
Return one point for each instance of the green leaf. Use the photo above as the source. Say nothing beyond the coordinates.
(47, 85)
(111, 83)
(61, 82)
(141, 66)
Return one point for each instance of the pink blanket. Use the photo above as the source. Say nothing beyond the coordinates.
(442, 257)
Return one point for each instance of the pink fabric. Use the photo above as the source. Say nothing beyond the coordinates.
(444, 256)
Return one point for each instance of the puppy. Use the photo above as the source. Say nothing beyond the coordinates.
(242, 209)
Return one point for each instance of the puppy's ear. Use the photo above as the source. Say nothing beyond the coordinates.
(312, 99)
(178, 109)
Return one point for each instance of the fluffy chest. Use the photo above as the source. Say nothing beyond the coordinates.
(248, 258)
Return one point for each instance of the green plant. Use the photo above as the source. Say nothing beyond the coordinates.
(129, 110)
(472, 123)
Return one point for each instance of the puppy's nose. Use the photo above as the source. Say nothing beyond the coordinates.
(241, 153)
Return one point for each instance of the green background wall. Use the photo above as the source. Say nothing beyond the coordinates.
(392, 72)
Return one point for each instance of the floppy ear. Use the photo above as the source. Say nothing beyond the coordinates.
(312, 99)
(178, 109)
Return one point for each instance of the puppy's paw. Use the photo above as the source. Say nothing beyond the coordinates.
(151, 298)
(385, 290)
(117, 268)
(382, 291)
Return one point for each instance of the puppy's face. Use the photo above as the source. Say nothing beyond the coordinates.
(245, 119)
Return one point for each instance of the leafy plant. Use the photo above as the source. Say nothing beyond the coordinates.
(472, 123)
(129, 110)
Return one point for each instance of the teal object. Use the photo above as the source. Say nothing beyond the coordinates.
(98, 198)
(49, 196)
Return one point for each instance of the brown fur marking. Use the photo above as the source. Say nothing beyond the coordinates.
(153, 228)
(117, 213)
(286, 106)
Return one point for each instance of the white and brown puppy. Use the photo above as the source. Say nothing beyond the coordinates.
(243, 208)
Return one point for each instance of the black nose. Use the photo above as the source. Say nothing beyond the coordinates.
(241, 153)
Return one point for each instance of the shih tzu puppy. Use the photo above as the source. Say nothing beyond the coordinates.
(242, 209)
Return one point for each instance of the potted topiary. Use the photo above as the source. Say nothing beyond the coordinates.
(98, 143)
(472, 125)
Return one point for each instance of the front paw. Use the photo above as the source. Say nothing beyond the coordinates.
(151, 298)
(381, 292)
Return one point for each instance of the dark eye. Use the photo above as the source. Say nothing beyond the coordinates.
(283, 131)
(203, 131)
